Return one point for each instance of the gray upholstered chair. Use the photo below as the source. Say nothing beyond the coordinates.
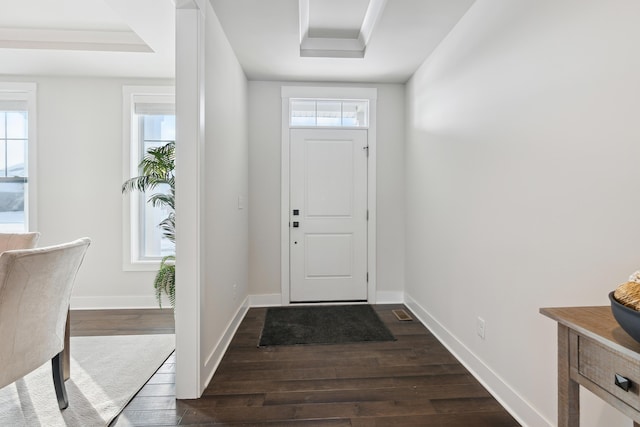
(11, 241)
(35, 290)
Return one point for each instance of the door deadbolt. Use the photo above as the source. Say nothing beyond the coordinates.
(296, 224)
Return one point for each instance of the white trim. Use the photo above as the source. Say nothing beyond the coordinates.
(372, 174)
(515, 404)
(334, 46)
(328, 92)
(218, 351)
(371, 18)
(191, 4)
(28, 92)
(63, 39)
(284, 202)
(130, 202)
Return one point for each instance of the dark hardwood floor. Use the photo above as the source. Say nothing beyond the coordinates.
(413, 381)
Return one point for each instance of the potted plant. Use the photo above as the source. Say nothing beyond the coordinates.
(158, 169)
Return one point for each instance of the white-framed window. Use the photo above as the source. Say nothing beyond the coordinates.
(17, 157)
(308, 112)
(148, 122)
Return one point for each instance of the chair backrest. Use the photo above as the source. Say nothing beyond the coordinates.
(35, 290)
(11, 241)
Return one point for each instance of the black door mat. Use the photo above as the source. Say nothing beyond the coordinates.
(336, 324)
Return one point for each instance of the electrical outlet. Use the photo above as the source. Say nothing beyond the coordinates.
(480, 327)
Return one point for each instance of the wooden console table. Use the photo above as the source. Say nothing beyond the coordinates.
(594, 352)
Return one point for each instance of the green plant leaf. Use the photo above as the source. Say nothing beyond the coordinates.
(165, 281)
(157, 169)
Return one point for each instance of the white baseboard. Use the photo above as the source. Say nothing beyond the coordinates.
(519, 408)
(389, 297)
(275, 300)
(116, 302)
(265, 300)
(215, 357)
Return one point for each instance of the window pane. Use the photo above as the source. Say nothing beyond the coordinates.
(155, 245)
(329, 113)
(157, 131)
(303, 113)
(14, 134)
(168, 128)
(159, 128)
(12, 207)
(17, 124)
(355, 113)
(16, 157)
(3, 158)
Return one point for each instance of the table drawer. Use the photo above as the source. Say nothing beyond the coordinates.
(601, 364)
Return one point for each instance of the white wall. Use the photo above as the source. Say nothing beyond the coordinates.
(79, 175)
(264, 186)
(226, 175)
(211, 177)
(522, 184)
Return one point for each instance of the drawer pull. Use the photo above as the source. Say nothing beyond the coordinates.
(622, 382)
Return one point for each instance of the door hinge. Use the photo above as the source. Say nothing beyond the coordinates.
(367, 214)
(367, 277)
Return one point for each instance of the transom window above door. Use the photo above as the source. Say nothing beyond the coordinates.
(351, 113)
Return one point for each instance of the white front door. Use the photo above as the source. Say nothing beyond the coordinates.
(328, 217)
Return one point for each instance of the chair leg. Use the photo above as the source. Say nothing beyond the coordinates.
(58, 380)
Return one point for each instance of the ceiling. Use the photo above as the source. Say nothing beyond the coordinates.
(293, 40)
(119, 38)
(266, 37)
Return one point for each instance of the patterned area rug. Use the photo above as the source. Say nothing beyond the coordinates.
(106, 372)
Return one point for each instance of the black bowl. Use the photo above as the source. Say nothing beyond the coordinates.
(628, 318)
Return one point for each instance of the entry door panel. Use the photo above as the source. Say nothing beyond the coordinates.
(328, 218)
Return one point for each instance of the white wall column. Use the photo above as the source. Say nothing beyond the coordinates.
(190, 95)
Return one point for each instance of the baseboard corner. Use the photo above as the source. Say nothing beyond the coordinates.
(265, 300)
(389, 297)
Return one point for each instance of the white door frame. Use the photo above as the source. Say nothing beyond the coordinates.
(319, 92)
